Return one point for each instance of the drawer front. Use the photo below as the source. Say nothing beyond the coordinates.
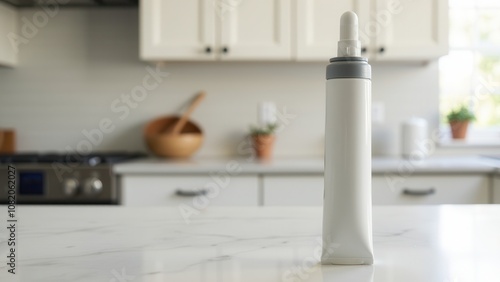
(293, 190)
(496, 189)
(430, 190)
(175, 190)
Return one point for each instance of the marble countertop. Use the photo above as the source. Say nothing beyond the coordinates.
(89, 243)
(442, 164)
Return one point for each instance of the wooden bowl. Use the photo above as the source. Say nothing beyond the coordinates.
(182, 145)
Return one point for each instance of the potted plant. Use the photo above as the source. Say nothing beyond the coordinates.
(263, 140)
(459, 121)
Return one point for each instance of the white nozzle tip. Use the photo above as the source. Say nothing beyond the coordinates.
(349, 26)
(349, 45)
(349, 17)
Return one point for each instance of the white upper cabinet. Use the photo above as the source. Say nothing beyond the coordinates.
(389, 30)
(317, 27)
(177, 30)
(9, 35)
(215, 29)
(411, 30)
(302, 30)
(256, 30)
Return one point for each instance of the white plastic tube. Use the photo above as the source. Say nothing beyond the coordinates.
(347, 213)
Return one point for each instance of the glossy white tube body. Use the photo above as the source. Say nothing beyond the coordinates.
(347, 214)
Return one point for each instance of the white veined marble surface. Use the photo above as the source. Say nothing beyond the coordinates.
(89, 243)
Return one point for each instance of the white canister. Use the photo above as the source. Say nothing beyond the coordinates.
(414, 136)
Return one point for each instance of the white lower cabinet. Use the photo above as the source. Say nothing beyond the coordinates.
(201, 191)
(431, 190)
(196, 190)
(496, 189)
(293, 190)
(413, 190)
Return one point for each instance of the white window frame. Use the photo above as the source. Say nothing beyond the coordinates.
(476, 135)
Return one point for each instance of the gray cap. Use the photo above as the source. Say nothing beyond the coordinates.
(348, 67)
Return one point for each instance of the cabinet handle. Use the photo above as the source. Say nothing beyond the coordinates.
(190, 193)
(208, 50)
(363, 50)
(225, 50)
(419, 192)
(381, 50)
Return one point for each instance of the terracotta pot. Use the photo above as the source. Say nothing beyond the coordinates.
(263, 145)
(459, 129)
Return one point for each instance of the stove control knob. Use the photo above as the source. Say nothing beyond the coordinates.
(93, 186)
(71, 186)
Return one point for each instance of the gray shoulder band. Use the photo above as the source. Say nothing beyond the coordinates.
(348, 67)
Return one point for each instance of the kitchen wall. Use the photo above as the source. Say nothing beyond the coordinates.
(74, 71)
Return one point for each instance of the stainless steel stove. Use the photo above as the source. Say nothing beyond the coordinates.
(63, 178)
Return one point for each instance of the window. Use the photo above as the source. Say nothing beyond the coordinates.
(470, 74)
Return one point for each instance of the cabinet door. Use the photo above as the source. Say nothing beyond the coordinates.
(255, 30)
(154, 190)
(177, 30)
(8, 27)
(496, 189)
(411, 30)
(293, 190)
(318, 24)
(431, 190)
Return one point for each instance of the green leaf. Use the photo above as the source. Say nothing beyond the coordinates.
(461, 114)
(268, 129)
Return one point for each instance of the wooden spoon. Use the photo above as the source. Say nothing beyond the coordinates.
(179, 125)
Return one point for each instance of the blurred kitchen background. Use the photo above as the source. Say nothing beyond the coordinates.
(76, 62)
(69, 73)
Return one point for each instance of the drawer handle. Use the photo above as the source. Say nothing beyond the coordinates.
(419, 192)
(190, 193)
